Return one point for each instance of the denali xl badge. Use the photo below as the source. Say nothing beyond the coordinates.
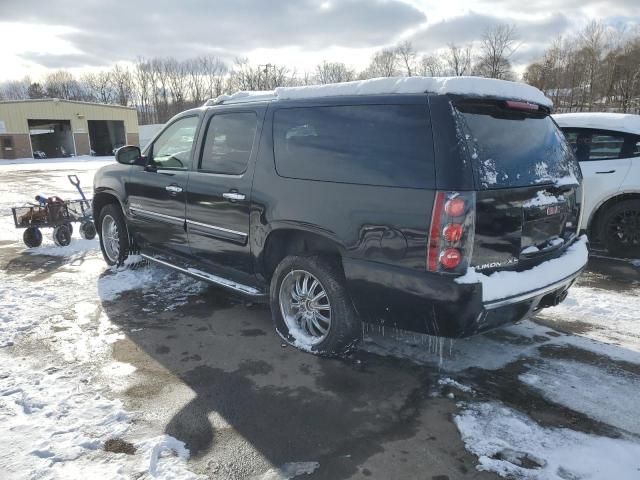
(486, 266)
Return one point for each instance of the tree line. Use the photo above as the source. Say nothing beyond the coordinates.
(598, 69)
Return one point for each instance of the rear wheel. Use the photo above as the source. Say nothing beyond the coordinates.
(62, 235)
(311, 308)
(620, 229)
(114, 238)
(88, 230)
(32, 237)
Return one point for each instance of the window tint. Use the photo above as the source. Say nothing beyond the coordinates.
(228, 143)
(387, 145)
(594, 145)
(172, 149)
(513, 148)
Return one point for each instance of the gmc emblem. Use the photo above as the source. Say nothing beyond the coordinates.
(553, 210)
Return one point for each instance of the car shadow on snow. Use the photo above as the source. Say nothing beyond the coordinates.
(288, 405)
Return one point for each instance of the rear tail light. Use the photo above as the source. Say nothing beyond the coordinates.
(451, 232)
(531, 107)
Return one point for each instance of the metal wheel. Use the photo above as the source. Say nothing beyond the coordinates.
(87, 230)
(305, 307)
(111, 238)
(62, 235)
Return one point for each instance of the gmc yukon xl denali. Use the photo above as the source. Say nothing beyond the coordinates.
(447, 206)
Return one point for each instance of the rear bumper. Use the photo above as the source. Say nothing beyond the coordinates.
(438, 305)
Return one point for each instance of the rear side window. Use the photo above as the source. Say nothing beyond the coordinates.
(601, 145)
(513, 148)
(228, 143)
(387, 145)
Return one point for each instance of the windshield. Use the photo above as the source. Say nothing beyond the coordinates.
(514, 148)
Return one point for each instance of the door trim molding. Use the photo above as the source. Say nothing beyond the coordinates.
(213, 227)
(135, 210)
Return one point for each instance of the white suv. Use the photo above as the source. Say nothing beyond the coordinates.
(607, 146)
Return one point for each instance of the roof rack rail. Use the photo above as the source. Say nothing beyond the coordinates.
(242, 97)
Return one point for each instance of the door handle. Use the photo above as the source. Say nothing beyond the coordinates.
(173, 189)
(233, 196)
(608, 171)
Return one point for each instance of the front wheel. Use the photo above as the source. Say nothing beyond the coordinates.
(311, 308)
(620, 229)
(32, 237)
(114, 238)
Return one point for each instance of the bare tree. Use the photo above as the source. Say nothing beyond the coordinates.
(383, 64)
(98, 86)
(61, 84)
(430, 66)
(497, 46)
(407, 56)
(333, 72)
(15, 89)
(458, 60)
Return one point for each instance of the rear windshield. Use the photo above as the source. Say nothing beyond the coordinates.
(514, 148)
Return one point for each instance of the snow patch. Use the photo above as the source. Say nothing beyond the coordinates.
(513, 445)
(607, 395)
(450, 382)
(289, 471)
(543, 199)
(505, 284)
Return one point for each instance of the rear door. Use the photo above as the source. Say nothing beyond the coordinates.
(219, 191)
(157, 192)
(601, 155)
(526, 180)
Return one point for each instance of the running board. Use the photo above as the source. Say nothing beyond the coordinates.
(207, 277)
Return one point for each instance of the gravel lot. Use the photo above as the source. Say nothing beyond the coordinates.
(188, 381)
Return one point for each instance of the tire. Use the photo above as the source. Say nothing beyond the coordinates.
(301, 326)
(619, 229)
(70, 227)
(62, 235)
(88, 230)
(115, 247)
(32, 237)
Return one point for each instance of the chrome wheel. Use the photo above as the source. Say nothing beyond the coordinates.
(305, 307)
(111, 238)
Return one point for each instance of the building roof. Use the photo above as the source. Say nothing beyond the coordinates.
(472, 86)
(60, 100)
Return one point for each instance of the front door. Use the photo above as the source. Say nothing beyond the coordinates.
(157, 191)
(219, 193)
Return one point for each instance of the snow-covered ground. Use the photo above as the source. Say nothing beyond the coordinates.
(56, 408)
(59, 382)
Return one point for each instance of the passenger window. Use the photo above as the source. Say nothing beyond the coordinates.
(388, 145)
(605, 146)
(228, 143)
(172, 149)
(596, 145)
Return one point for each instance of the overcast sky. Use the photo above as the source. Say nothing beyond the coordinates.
(37, 35)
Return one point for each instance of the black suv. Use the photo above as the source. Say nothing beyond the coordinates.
(398, 209)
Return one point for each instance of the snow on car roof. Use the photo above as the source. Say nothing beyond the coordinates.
(619, 122)
(472, 86)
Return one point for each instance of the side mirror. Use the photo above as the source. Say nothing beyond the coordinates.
(129, 155)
